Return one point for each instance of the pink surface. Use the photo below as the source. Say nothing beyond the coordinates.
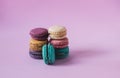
(93, 31)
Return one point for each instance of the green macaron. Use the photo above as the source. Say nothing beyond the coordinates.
(61, 52)
(48, 54)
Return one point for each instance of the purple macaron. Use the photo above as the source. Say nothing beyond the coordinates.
(39, 34)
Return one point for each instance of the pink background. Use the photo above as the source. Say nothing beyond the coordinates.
(93, 31)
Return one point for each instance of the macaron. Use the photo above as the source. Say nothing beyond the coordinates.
(35, 55)
(57, 32)
(48, 54)
(61, 53)
(39, 33)
(36, 45)
(59, 43)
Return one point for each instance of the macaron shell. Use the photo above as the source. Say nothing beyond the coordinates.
(39, 33)
(57, 29)
(51, 54)
(62, 56)
(61, 53)
(45, 54)
(59, 42)
(61, 46)
(35, 55)
(48, 54)
(65, 49)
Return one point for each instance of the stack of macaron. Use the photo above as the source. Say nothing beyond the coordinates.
(39, 37)
(59, 41)
(50, 50)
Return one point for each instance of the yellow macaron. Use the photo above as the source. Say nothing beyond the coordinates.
(57, 32)
(36, 45)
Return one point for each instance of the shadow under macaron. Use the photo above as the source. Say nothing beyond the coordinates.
(77, 57)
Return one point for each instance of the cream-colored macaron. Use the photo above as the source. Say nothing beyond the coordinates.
(57, 32)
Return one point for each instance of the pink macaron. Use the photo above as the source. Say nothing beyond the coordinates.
(61, 43)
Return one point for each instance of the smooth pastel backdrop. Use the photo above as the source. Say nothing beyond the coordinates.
(93, 31)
